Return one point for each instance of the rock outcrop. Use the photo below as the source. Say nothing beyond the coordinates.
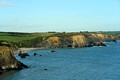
(99, 37)
(98, 43)
(77, 41)
(8, 61)
(80, 41)
(22, 55)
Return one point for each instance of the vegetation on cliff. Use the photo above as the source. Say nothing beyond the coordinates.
(57, 39)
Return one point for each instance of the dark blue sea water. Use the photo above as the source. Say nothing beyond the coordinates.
(92, 63)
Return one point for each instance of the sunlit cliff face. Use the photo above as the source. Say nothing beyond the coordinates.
(7, 59)
(77, 40)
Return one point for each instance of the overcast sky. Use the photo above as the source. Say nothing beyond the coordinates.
(59, 15)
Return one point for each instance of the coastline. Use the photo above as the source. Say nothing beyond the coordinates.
(30, 49)
(26, 49)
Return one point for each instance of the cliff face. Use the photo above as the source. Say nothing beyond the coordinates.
(52, 42)
(82, 40)
(74, 41)
(99, 37)
(8, 61)
(64, 42)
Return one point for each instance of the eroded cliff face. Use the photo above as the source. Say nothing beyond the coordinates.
(77, 40)
(8, 61)
(52, 42)
(80, 41)
(99, 37)
(74, 41)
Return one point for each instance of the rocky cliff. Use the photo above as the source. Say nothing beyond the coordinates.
(80, 41)
(7, 60)
(99, 37)
(74, 41)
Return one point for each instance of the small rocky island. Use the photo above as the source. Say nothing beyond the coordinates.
(7, 60)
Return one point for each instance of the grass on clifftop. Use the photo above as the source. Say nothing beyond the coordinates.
(111, 33)
(15, 37)
(43, 34)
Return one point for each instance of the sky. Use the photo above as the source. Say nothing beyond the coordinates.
(59, 15)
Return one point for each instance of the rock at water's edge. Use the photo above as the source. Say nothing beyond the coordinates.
(8, 61)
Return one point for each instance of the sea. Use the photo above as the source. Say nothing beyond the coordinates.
(88, 63)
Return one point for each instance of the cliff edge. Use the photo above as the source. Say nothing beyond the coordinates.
(65, 41)
(76, 41)
(7, 60)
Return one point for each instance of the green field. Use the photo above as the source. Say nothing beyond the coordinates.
(42, 34)
(14, 37)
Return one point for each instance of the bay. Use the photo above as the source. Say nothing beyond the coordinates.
(90, 63)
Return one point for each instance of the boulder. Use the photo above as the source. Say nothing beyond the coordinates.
(22, 55)
(35, 54)
(115, 41)
(25, 54)
(53, 51)
(45, 69)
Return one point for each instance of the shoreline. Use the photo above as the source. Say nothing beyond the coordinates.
(26, 49)
(30, 49)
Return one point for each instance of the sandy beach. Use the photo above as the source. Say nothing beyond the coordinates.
(26, 49)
